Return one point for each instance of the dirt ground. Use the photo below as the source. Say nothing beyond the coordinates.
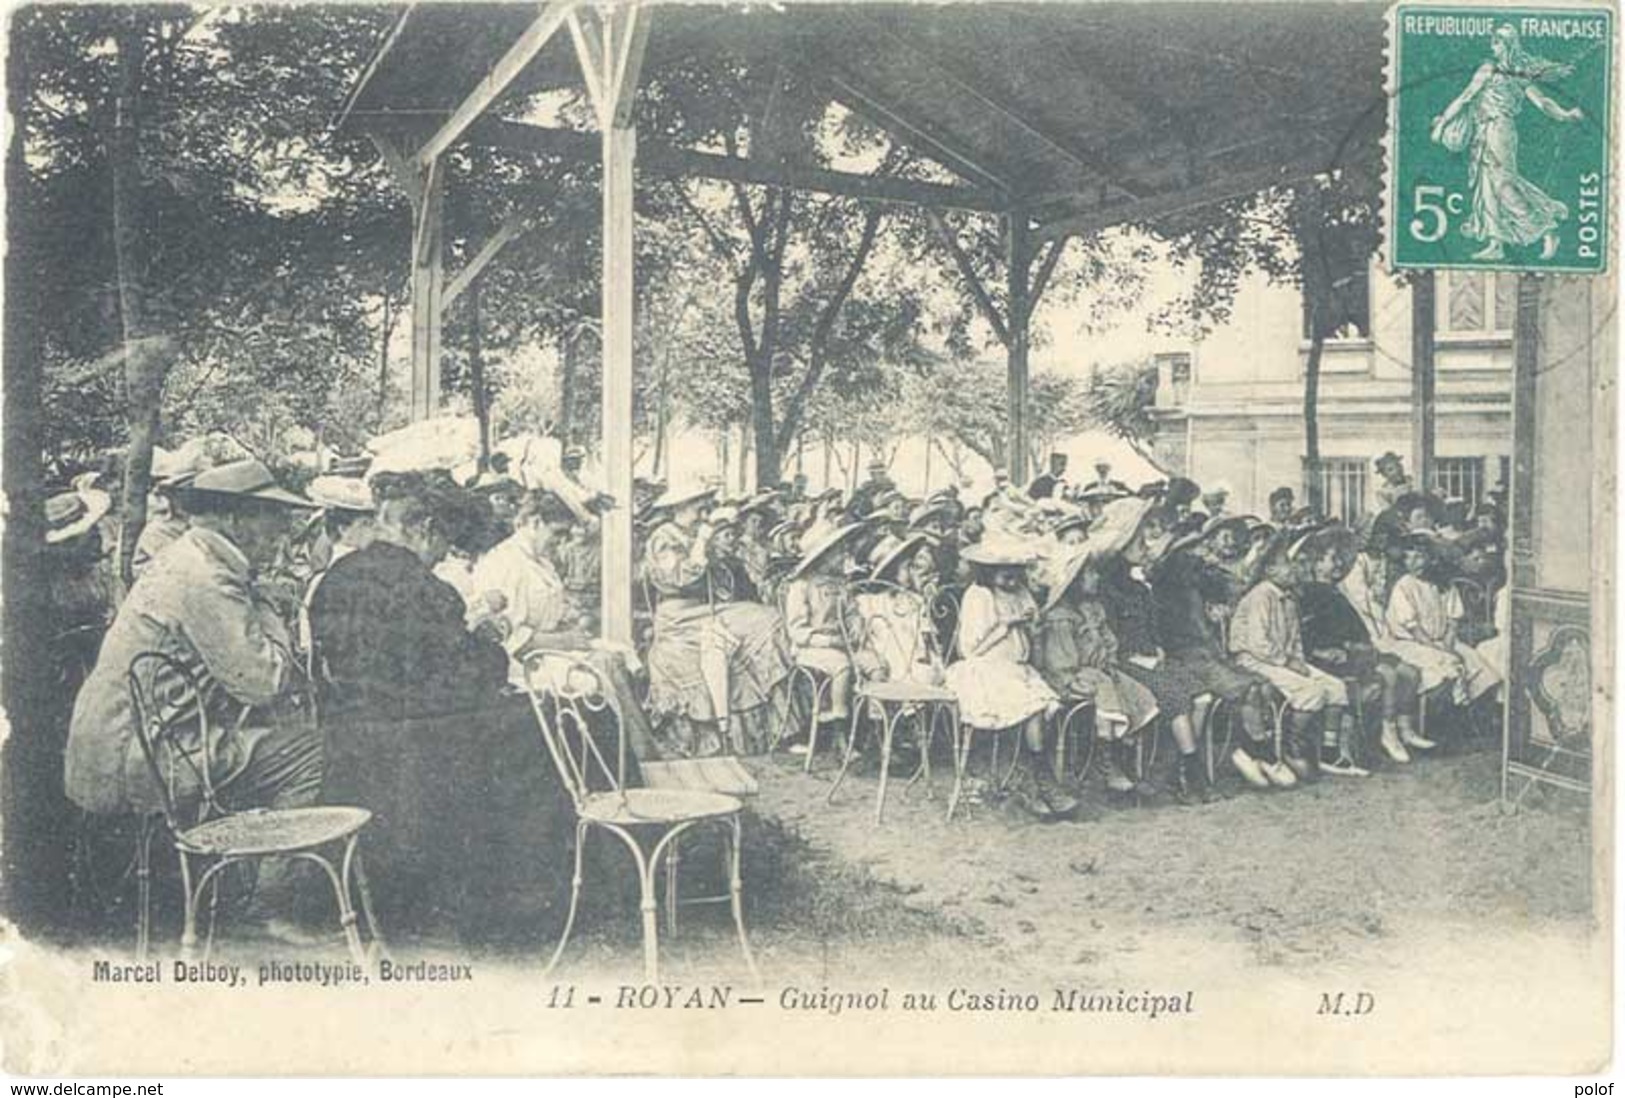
(1316, 876)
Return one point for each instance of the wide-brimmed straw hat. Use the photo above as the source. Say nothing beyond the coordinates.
(724, 516)
(677, 495)
(998, 555)
(341, 494)
(1333, 535)
(245, 479)
(1087, 553)
(69, 515)
(1118, 524)
(892, 552)
(825, 545)
(931, 509)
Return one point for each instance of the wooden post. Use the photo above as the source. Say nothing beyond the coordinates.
(1424, 320)
(428, 287)
(620, 151)
(1019, 262)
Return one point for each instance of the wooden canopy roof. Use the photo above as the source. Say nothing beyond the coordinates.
(1080, 114)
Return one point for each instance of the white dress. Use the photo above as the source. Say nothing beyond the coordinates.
(998, 686)
(1420, 612)
(1363, 587)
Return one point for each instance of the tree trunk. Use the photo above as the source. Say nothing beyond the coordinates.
(1311, 417)
(761, 414)
(143, 373)
(476, 376)
(569, 363)
(383, 355)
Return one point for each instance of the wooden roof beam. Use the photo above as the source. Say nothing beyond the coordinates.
(1150, 208)
(502, 74)
(1094, 161)
(677, 163)
(926, 138)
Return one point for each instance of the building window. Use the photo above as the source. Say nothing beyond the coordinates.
(1461, 478)
(1351, 302)
(1478, 302)
(1177, 366)
(1342, 488)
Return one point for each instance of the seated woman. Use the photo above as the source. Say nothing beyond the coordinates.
(1421, 613)
(715, 667)
(896, 611)
(823, 620)
(1078, 655)
(1266, 638)
(522, 585)
(1337, 641)
(421, 729)
(995, 681)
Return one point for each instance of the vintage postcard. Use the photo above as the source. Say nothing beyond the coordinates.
(808, 538)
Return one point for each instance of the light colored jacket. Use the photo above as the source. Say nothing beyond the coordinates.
(196, 604)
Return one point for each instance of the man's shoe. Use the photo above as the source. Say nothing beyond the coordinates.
(1279, 774)
(1345, 768)
(1392, 747)
(1250, 769)
(1300, 767)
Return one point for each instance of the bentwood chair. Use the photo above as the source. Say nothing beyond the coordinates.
(570, 697)
(891, 701)
(166, 702)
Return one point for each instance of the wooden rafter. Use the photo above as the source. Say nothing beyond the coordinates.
(495, 82)
(1178, 201)
(1046, 268)
(928, 139)
(672, 162)
(973, 281)
(509, 231)
(1094, 161)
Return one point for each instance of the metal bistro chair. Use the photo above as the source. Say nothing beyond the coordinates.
(819, 685)
(890, 701)
(225, 838)
(565, 693)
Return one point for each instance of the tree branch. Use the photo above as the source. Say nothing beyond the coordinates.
(818, 356)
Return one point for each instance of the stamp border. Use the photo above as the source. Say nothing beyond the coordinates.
(1390, 88)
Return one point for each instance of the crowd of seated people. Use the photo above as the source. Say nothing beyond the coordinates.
(399, 610)
(1318, 644)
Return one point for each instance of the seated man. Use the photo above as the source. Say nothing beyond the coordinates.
(823, 621)
(198, 603)
(1266, 639)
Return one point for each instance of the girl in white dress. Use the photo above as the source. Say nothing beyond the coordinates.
(1420, 613)
(995, 680)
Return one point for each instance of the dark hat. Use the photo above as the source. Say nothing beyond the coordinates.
(245, 479)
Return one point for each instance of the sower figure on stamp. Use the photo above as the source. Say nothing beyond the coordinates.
(1483, 121)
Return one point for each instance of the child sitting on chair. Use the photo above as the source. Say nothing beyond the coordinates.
(995, 680)
(825, 629)
(1078, 655)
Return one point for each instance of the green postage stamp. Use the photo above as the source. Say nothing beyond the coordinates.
(1498, 137)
